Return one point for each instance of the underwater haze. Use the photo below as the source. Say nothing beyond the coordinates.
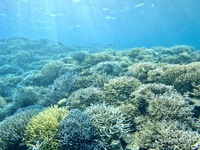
(117, 23)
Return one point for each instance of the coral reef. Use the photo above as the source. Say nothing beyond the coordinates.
(161, 102)
(95, 58)
(112, 68)
(79, 56)
(182, 77)
(110, 122)
(141, 70)
(41, 130)
(118, 90)
(165, 135)
(26, 96)
(83, 98)
(48, 73)
(3, 102)
(12, 128)
(8, 110)
(60, 88)
(76, 132)
(138, 98)
(91, 80)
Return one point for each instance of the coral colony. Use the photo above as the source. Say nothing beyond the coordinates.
(54, 97)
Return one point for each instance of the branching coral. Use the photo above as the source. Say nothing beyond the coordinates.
(95, 58)
(165, 135)
(118, 90)
(109, 67)
(76, 132)
(159, 102)
(94, 80)
(169, 106)
(83, 98)
(141, 54)
(26, 96)
(41, 129)
(48, 73)
(141, 70)
(110, 122)
(61, 88)
(12, 128)
(182, 77)
(2, 102)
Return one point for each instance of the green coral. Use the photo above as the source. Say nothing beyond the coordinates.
(118, 90)
(95, 80)
(49, 73)
(83, 98)
(159, 102)
(141, 54)
(95, 58)
(79, 56)
(180, 54)
(165, 135)
(112, 68)
(169, 106)
(182, 77)
(131, 112)
(141, 70)
(41, 129)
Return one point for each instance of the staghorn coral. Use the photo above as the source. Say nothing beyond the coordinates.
(162, 135)
(141, 70)
(83, 98)
(112, 68)
(12, 128)
(161, 102)
(141, 55)
(110, 122)
(10, 69)
(94, 80)
(79, 56)
(23, 58)
(41, 129)
(95, 58)
(61, 88)
(169, 106)
(76, 132)
(48, 73)
(182, 77)
(180, 54)
(26, 96)
(3, 102)
(118, 90)
(8, 109)
(131, 112)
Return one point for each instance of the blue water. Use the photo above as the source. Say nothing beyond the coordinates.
(118, 23)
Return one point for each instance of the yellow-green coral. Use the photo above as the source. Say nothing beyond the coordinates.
(41, 130)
